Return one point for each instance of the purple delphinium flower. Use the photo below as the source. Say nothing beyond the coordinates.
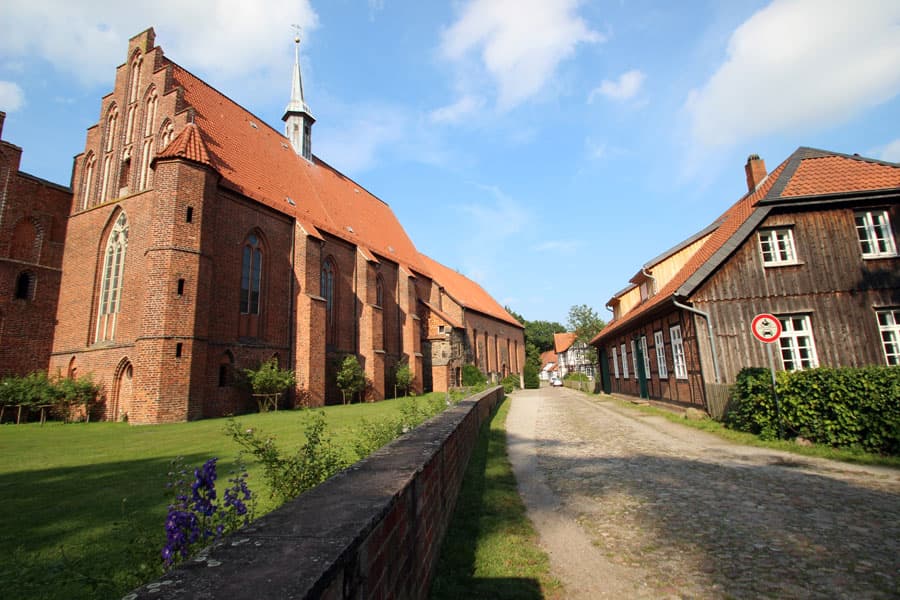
(203, 489)
(182, 530)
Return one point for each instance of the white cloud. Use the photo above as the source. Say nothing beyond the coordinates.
(891, 151)
(625, 88)
(521, 42)
(800, 64)
(456, 112)
(228, 37)
(12, 97)
(355, 143)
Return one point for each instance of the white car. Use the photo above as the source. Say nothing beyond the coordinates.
(556, 382)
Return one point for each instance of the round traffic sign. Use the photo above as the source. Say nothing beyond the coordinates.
(766, 328)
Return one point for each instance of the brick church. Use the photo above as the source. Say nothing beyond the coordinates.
(197, 241)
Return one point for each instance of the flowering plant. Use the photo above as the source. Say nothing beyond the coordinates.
(198, 515)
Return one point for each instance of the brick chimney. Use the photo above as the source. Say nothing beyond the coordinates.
(756, 171)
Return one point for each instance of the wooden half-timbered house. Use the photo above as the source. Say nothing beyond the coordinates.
(814, 242)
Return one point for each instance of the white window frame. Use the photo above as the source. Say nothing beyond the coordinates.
(646, 356)
(889, 326)
(678, 360)
(659, 341)
(110, 298)
(624, 362)
(873, 228)
(777, 248)
(615, 362)
(634, 357)
(798, 348)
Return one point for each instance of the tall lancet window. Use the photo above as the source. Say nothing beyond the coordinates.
(135, 83)
(307, 141)
(111, 280)
(87, 180)
(251, 286)
(147, 148)
(327, 292)
(105, 182)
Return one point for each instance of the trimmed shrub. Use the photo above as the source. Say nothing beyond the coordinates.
(844, 407)
(532, 379)
(471, 376)
(510, 383)
(576, 377)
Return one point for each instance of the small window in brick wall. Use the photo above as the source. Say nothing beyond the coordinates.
(178, 347)
(181, 287)
(24, 286)
(189, 217)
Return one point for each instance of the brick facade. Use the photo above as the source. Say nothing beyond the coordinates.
(32, 231)
(198, 245)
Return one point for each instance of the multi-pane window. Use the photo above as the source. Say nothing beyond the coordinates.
(678, 352)
(251, 276)
(327, 292)
(615, 362)
(889, 326)
(777, 247)
(875, 236)
(798, 350)
(111, 283)
(660, 354)
(624, 362)
(634, 362)
(646, 356)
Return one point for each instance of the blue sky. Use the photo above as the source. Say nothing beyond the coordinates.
(545, 148)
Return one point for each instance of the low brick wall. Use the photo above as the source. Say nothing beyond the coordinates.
(372, 531)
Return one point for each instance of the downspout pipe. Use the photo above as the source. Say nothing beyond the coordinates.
(647, 274)
(712, 340)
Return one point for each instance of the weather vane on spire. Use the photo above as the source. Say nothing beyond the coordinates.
(297, 30)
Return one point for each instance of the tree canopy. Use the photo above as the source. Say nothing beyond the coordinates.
(585, 322)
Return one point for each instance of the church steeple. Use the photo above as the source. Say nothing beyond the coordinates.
(298, 121)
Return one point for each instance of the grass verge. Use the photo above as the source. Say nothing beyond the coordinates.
(490, 550)
(84, 503)
(748, 439)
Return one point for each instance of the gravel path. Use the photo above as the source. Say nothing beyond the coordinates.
(634, 506)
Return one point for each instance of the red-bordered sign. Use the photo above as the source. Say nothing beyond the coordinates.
(766, 328)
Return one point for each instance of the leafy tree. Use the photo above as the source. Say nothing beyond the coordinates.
(268, 382)
(350, 377)
(403, 377)
(540, 333)
(516, 315)
(72, 392)
(585, 322)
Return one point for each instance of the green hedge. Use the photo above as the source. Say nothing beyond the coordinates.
(532, 379)
(472, 376)
(845, 407)
(576, 377)
(510, 383)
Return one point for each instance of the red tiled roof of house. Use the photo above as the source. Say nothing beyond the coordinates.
(563, 341)
(547, 357)
(443, 316)
(840, 174)
(188, 144)
(259, 162)
(467, 292)
(807, 172)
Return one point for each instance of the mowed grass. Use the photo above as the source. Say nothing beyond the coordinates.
(83, 504)
(490, 550)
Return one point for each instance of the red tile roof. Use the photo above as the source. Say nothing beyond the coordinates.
(468, 293)
(260, 163)
(563, 341)
(807, 172)
(548, 357)
(188, 144)
(839, 174)
(443, 316)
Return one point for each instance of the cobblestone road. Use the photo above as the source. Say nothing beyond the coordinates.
(671, 512)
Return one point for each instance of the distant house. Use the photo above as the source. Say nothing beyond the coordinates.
(573, 356)
(814, 242)
(548, 365)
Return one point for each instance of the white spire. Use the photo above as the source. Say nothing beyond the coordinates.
(297, 117)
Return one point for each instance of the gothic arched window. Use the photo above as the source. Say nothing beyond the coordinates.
(379, 291)
(87, 180)
(111, 120)
(111, 280)
(327, 292)
(251, 276)
(150, 106)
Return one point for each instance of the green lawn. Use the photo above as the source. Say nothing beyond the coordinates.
(83, 504)
(490, 550)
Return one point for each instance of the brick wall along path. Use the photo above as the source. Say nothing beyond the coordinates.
(630, 505)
